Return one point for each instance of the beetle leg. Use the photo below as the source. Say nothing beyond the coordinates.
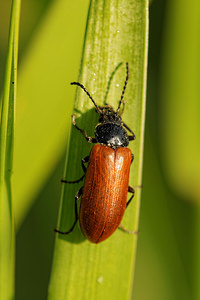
(83, 132)
(132, 158)
(130, 190)
(77, 196)
(128, 231)
(138, 186)
(83, 161)
(74, 181)
(131, 137)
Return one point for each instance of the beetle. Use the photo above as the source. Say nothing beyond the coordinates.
(106, 185)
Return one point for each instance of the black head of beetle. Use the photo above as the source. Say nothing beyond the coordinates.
(109, 115)
(111, 131)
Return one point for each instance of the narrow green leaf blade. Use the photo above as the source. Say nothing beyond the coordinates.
(45, 100)
(116, 32)
(6, 159)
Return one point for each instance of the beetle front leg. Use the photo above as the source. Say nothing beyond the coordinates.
(131, 137)
(77, 196)
(83, 132)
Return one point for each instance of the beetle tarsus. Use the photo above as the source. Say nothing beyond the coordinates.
(128, 231)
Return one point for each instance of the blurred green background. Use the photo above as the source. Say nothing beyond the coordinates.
(51, 39)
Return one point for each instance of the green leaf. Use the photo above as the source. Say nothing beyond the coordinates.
(6, 159)
(180, 94)
(45, 100)
(180, 122)
(116, 32)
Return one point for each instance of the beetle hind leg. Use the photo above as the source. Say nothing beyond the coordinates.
(128, 231)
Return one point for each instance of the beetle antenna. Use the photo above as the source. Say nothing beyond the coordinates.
(109, 81)
(124, 88)
(82, 86)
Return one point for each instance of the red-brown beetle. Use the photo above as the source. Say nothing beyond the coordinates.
(104, 194)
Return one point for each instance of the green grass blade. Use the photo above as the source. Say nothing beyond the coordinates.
(116, 32)
(45, 100)
(6, 159)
